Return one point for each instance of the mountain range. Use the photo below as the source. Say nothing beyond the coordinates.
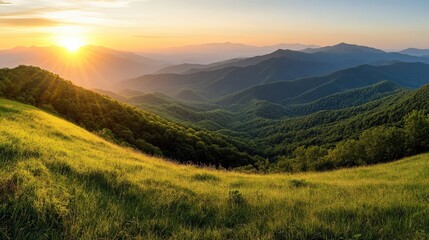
(409, 75)
(280, 66)
(215, 52)
(103, 68)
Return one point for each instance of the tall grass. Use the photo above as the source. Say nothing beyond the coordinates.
(58, 181)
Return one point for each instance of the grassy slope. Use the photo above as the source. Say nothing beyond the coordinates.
(60, 181)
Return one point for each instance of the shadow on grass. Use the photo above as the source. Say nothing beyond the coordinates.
(155, 208)
(371, 222)
(10, 152)
(4, 110)
(21, 217)
(204, 177)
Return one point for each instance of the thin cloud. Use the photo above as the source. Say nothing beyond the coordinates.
(51, 12)
(29, 22)
(74, 3)
(34, 12)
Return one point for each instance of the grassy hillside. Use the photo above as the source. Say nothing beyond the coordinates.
(59, 181)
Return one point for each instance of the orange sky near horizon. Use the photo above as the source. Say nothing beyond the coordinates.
(144, 25)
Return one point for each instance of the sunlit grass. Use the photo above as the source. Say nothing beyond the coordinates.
(60, 181)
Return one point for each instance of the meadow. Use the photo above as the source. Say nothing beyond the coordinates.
(59, 181)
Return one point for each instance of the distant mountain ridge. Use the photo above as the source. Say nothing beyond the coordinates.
(344, 48)
(416, 52)
(280, 65)
(227, 80)
(350, 55)
(409, 75)
(189, 67)
(215, 52)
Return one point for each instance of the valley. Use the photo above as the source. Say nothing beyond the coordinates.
(52, 170)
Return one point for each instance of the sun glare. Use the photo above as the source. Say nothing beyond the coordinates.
(71, 39)
(72, 44)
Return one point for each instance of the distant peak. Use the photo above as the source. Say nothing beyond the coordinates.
(279, 51)
(345, 48)
(283, 51)
(343, 44)
(349, 45)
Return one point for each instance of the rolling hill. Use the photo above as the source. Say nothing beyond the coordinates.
(91, 66)
(52, 170)
(346, 99)
(279, 130)
(238, 136)
(409, 75)
(122, 123)
(227, 80)
(325, 128)
(221, 79)
(342, 55)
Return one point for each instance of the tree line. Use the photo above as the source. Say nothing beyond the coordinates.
(376, 145)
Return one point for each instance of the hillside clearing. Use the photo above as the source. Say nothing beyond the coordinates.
(59, 181)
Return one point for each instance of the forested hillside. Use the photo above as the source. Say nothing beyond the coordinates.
(408, 75)
(279, 132)
(257, 133)
(327, 127)
(122, 123)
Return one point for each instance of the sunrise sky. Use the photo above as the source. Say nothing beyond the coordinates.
(147, 24)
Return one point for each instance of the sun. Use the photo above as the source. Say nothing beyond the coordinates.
(71, 43)
(70, 38)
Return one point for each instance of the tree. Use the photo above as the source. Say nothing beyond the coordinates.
(285, 164)
(348, 153)
(417, 132)
(382, 144)
(262, 164)
(308, 157)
